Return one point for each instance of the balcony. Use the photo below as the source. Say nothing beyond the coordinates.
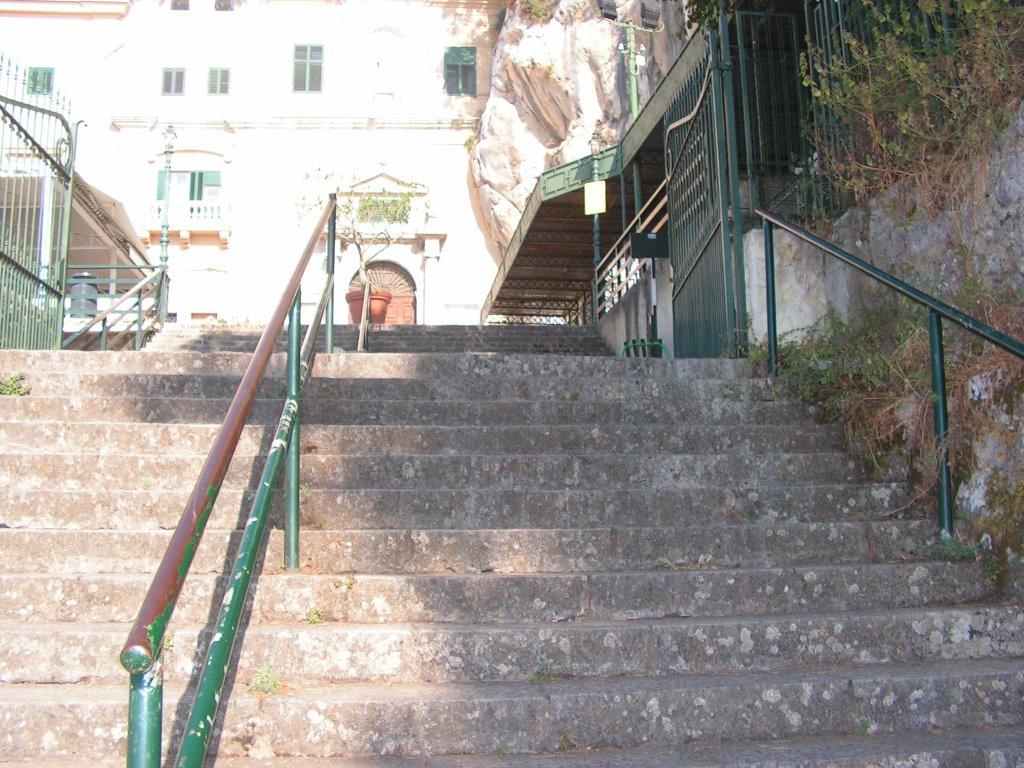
(186, 220)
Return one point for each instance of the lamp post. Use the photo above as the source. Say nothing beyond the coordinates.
(165, 225)
(636, 59)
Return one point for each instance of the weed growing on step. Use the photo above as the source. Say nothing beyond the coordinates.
(566, 743)
(501, 750)
(147, 485)
(543, 671)
(14, 386)
(265, 681)
(315, 616)
(952, 549)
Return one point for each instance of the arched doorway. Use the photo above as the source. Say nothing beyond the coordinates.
(391, 277)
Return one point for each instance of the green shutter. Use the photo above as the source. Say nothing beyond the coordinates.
(161, 185)
(463, 56)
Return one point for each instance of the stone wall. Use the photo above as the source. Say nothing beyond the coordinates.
(979, 239)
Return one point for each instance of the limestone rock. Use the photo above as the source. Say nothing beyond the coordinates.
(554, 84)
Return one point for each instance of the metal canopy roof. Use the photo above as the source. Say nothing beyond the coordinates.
(545, 275)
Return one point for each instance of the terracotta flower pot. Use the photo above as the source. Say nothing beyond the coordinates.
(379, 301)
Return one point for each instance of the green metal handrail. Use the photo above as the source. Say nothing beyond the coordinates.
(937, 311)
(129, 308)
(141, 655)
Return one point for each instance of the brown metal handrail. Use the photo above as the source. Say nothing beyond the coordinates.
(141, 653)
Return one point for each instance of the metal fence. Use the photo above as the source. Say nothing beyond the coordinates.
(36, 161)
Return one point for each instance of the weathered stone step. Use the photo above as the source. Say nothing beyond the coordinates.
(530, 718)
(423, 471)
(53, 437)
(406, 653)
(465, 598)
(550, 550)
(153, 508)
(461, 387)
(408, 413)
(949, 748)
(376, 366)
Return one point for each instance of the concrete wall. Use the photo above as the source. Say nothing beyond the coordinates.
(630, 318)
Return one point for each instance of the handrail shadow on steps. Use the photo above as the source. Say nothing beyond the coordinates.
(142, 652)
(937, 311)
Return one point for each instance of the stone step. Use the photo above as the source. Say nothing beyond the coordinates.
(421, 339)
(458, 388)
(506, 550)
(431, 471)
(452, 653)
(949, 748)
(98, 438)
(451, 509)
(198, 410)
(428, 719)
(516, 598)
(375, 366)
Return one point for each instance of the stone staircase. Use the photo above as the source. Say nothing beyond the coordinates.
(511, 339)
(522, 560)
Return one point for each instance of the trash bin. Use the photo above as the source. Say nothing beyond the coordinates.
(83, 295)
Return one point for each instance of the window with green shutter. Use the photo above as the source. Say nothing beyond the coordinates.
(460, 71)
(218, 81)
(201, 185)
(308, 69)
(39, 81)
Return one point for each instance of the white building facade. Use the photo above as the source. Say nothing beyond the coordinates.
(274, 104)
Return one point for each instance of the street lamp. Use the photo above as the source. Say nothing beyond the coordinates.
(636, 59)
(165, 226)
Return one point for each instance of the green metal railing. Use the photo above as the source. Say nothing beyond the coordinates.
(127, 319)
(937, 312)
(141, 655)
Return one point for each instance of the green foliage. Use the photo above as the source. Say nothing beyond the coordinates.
(383, 210)
(542, 673)
(912, 103)
(869, 376)
(14, 386)
(538, 10)
(1003, 526)
(315, 616)
(265, 680)
(952, 549)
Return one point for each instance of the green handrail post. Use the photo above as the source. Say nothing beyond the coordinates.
(941, 417)
(769, 287)
(145, 719)
(331, 234)
(139, 321)
(291, 521)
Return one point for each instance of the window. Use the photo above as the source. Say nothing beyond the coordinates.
(460, 71)
(39, 81)
(224, 5)
(174, 82)
(308, 70)
(179, 5)
(218, 81)
(200, 185)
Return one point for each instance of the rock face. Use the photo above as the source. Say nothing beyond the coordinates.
(554, 84)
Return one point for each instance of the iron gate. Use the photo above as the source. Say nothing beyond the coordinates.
(36, 160)
(731, 145)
